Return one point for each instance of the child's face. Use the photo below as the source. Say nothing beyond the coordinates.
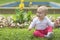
(59, 20)
(41, 13)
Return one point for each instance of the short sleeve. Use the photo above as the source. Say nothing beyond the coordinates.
(50, 23)
(33, 23)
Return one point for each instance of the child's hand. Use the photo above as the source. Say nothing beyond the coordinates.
(29, 29)
(57, 23)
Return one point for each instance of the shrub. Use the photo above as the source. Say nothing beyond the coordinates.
(22, 17)
(19, 16)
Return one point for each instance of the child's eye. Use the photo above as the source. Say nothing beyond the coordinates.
(38, 12)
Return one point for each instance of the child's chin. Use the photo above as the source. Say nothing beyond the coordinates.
(38, 16)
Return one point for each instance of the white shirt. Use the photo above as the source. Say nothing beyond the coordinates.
(41, 25)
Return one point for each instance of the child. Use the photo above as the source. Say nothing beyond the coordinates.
(57, 21)
(42, 24)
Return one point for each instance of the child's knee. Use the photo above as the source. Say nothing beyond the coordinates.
(38, 34)
(35, 33)
(50, 29)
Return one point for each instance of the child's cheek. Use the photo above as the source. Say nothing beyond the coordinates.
(59, 21)
(56, 21)
(41, 14)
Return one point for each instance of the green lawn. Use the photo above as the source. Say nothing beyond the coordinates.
(5, 1)
(23, 34)
(14, 15)
(41, 0)
(54, 15)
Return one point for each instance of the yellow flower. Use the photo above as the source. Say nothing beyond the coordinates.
(22, 0)
(21, 6)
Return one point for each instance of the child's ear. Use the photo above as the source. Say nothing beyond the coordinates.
(45, 14)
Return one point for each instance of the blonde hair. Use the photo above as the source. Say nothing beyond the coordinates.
(42, 8)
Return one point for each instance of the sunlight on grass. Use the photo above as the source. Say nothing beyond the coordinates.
(6, 1)
(23, 34)
(14, 15)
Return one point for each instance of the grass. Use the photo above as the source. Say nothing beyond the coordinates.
(14, 15)
(5, 1)
(23, 34)
(55, 15)
(44, 1)
(6, 15)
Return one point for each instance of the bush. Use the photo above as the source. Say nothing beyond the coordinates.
(22, 17)
(19, 16)
(28, 16)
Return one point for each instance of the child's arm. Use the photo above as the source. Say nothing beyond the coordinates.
(50, 23)
(32, 24)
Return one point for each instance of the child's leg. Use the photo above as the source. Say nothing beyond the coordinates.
(38, 33)
(42, 33)
(48, 31)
